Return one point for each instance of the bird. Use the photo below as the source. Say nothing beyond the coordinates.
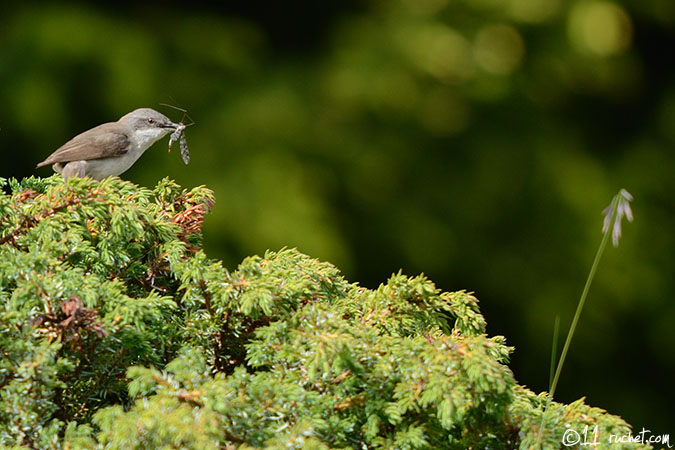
(111, 148)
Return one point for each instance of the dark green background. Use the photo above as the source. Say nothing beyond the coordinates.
(476, 141)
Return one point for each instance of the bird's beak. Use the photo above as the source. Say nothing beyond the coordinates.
(171, 125)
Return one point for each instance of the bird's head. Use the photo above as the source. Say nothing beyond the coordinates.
(148, 124)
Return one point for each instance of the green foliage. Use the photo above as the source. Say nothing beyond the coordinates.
(117, 331)
(473, 140)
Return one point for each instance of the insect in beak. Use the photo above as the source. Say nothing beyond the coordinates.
(179, 135)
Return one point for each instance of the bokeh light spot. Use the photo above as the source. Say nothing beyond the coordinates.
(499, 49)
(534, 11)
(442, 52)
(602, 28)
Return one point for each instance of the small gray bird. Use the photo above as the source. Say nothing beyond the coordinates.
(111, 148)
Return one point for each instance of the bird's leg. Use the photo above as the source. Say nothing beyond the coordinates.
(74, 169)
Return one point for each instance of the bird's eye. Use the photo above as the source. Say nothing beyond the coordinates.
(151, 120)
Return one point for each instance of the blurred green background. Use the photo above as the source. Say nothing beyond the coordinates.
(476, 141)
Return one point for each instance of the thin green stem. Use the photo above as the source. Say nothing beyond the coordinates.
(613, 211)
(580, 306)
(554, 350)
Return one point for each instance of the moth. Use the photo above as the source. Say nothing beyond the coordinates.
(179, 135)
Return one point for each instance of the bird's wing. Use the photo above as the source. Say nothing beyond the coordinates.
(103, 141)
